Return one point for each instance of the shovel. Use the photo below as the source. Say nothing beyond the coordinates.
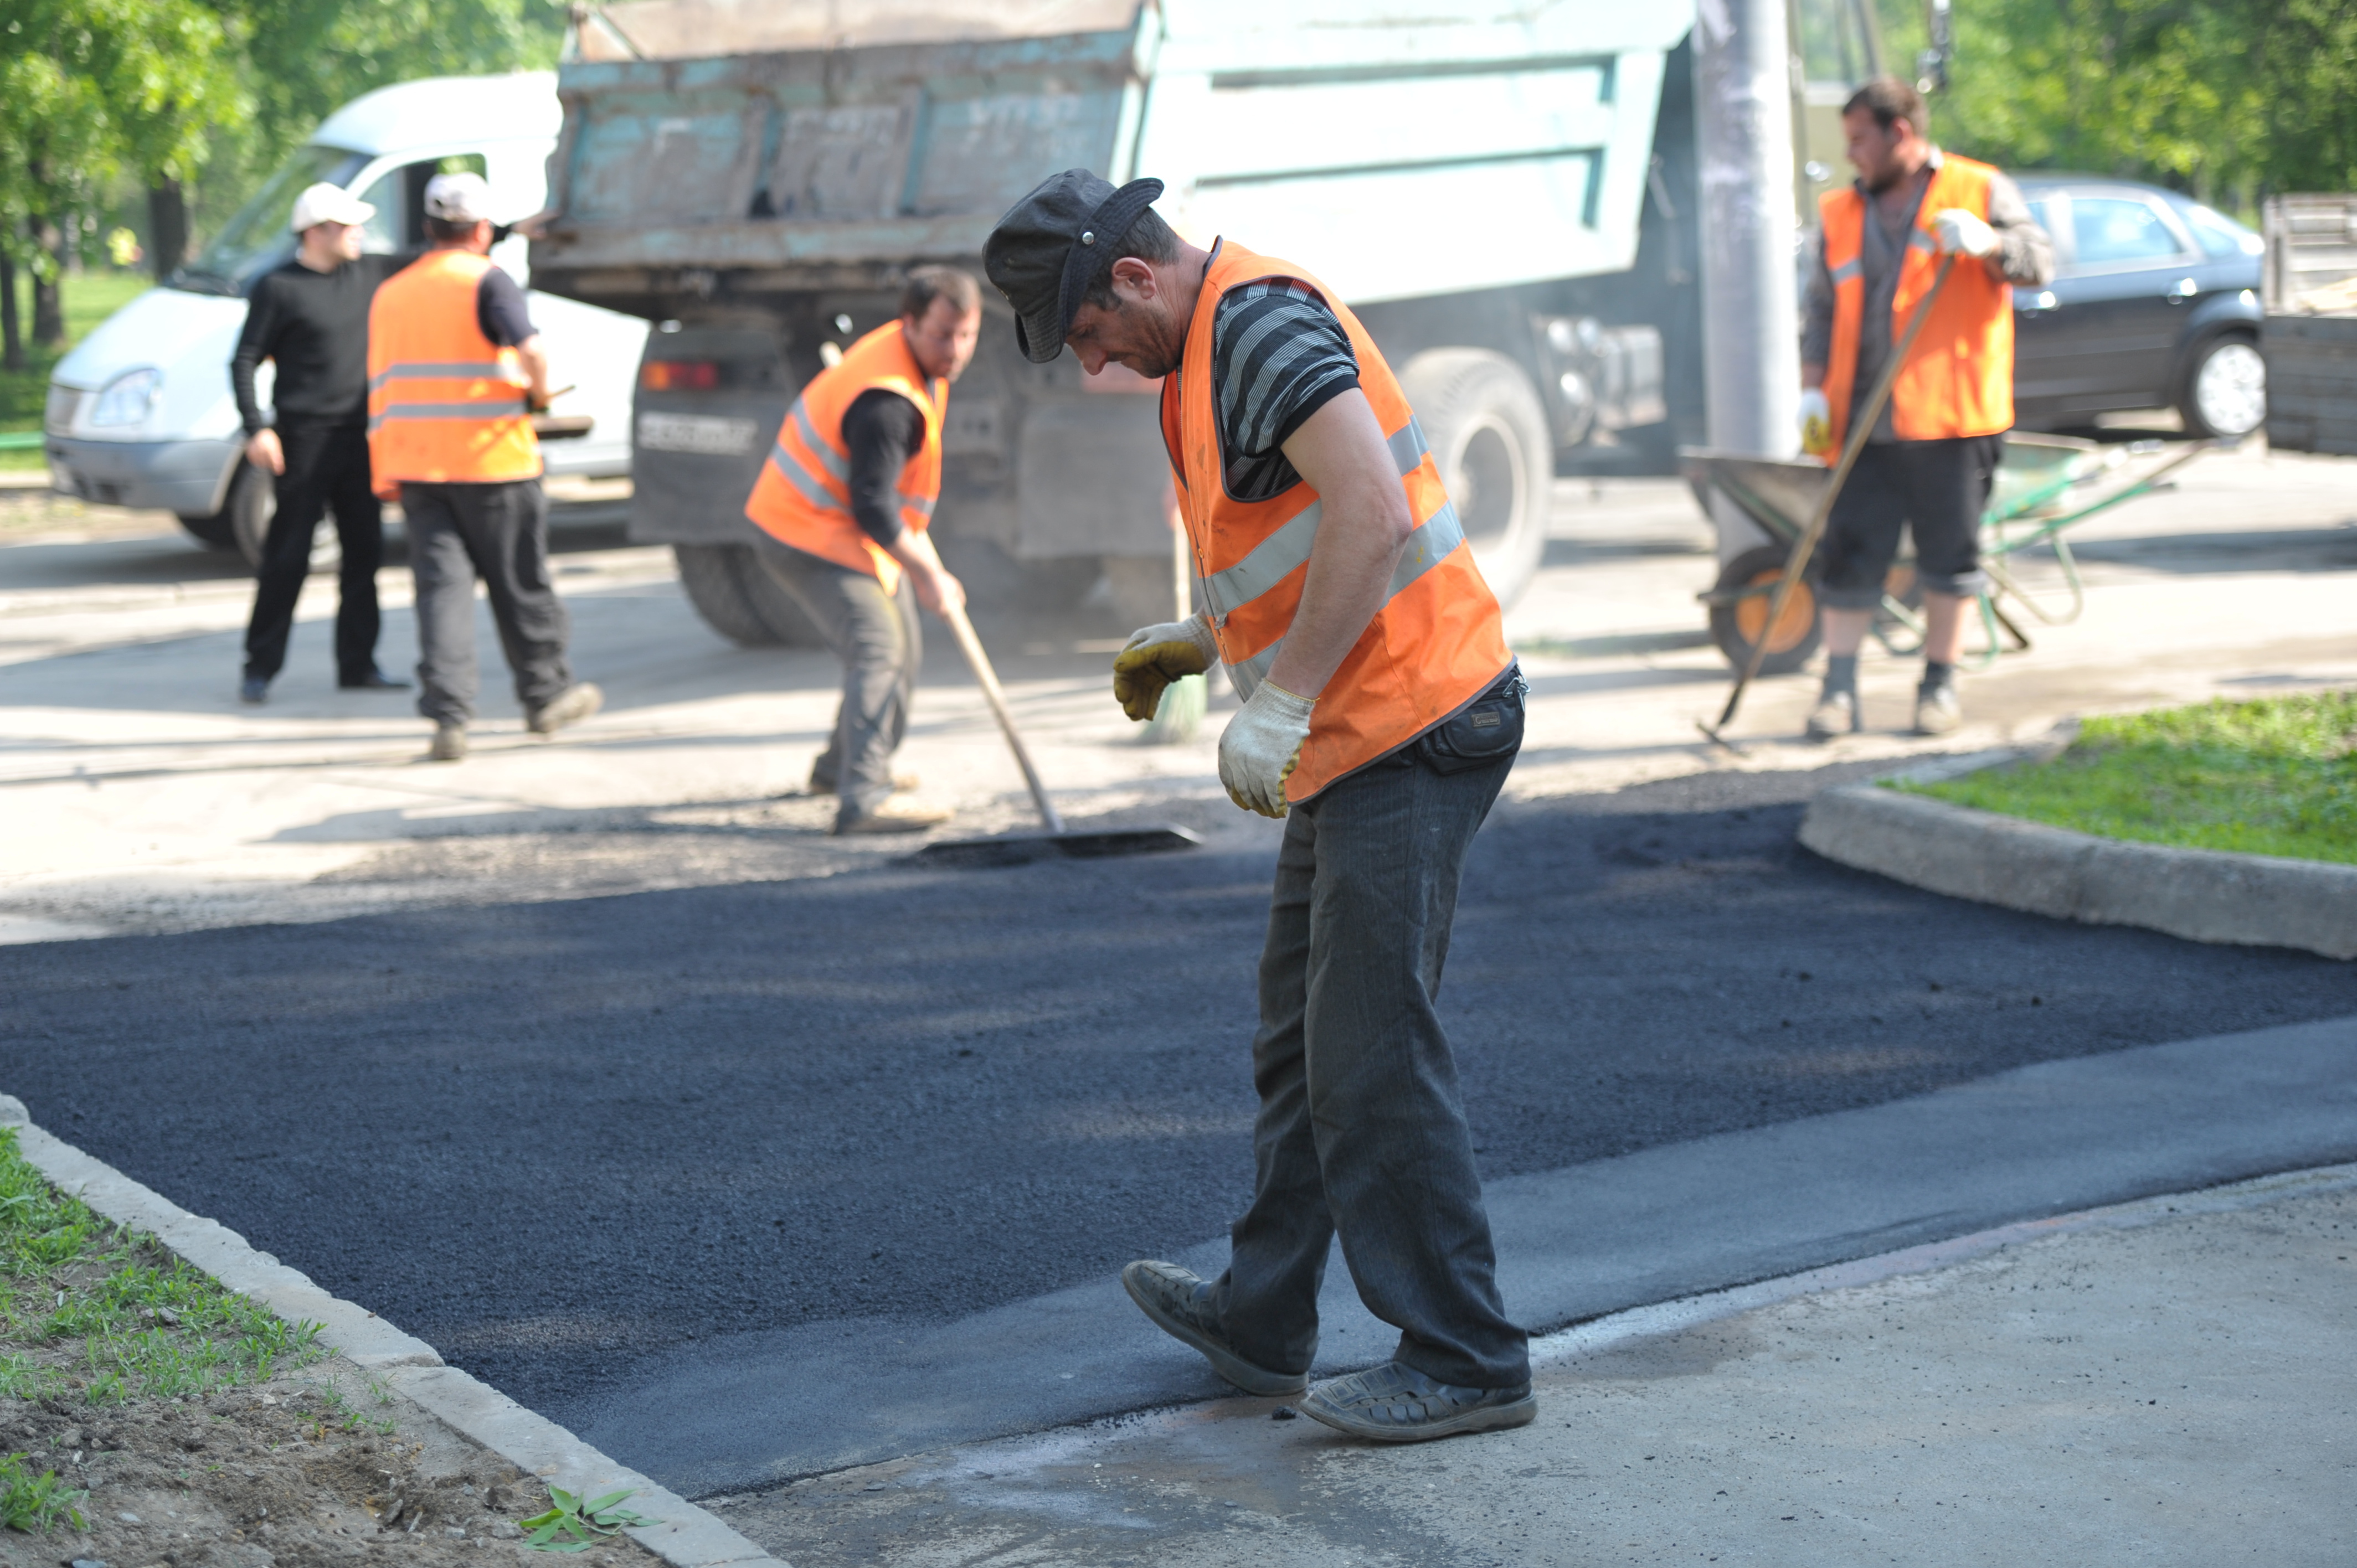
(1861, 426)
(1013, 849)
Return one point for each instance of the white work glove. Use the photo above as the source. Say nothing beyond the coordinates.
(1816, 424)
(1260, 747)
(1964, 232)
(1157, 655)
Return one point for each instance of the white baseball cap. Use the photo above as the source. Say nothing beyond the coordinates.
(325, 203)
(459, 198)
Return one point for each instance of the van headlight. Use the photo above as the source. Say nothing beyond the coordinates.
(127, 398)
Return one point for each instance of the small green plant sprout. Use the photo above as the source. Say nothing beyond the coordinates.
(576, 1526)
(33, 1503)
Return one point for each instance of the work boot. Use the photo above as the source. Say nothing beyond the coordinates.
(1173, 1298)
(449, 743)
(570, 707)
(1938, 709)
(1396, 1403)
(254, 690)
(892, 817)
(1836, 713)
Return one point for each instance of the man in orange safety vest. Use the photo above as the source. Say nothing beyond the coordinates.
(456, 373)
(1381, 712)
(1929, 462)
(844, 504)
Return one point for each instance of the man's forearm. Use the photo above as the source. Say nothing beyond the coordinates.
(1364, 524)
(535, 368)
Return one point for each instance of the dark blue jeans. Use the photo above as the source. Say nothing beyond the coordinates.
(1361, 1130)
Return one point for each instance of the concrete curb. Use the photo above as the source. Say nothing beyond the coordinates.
(2204, 894)
(688, 1537)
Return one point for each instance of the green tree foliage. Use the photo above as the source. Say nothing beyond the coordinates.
(306, 57)
(2229, 99)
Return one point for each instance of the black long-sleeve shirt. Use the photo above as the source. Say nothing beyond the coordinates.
(314, 325)
(884, 430)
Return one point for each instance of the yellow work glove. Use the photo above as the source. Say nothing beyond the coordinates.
(1157, 655)
(1261, 746)
(1816, 424)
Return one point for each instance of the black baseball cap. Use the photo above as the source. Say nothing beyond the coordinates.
(1042, 252)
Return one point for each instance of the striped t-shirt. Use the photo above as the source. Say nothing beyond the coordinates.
(1278, 356)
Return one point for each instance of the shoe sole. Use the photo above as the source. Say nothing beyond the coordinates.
(1234, 1369)
(1487, 1418)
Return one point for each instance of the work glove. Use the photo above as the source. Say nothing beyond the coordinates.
(1157, 655)
(1260, 747)
(1964, 232)
(1816, 424)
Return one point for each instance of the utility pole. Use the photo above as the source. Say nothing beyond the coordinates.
(1750, 310)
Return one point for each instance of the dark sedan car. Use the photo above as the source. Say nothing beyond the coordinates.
(2155, 304)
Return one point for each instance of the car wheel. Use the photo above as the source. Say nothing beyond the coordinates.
(2225, 389)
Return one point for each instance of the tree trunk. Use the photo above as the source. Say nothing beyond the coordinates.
(167, 226)
(49, 308)
(12, 335)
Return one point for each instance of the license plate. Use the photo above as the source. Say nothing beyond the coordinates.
(711, 435)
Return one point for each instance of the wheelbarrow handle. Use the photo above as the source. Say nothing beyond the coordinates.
(1861, 426)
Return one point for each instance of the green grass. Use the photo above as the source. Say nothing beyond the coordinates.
(90, 298)
(33, 1502)
(95, 1312)
(2276, 776)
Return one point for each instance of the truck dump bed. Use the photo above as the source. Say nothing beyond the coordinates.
(1408, 148)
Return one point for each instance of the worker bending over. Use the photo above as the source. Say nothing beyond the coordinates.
(1381, 712)
(456, 373)
(1930, 459)
(843, 504)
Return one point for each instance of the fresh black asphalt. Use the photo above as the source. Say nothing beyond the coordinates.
(565, 1141)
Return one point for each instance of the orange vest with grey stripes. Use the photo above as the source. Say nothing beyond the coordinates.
(1437, 643)
(1958, 378)
(445, 403)
(803, 496)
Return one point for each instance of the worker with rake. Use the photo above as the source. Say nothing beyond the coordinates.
(1381, 712)
(1933, 452)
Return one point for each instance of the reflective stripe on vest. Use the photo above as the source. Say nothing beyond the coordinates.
(802, 496)
(446, 404)
(1958, 378)
(1435, 643)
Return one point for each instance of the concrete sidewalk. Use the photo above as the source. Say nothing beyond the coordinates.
(2164, 1382)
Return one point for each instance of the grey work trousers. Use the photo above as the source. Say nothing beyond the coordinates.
(1361, 1130)
(500, 532)
(878, 637)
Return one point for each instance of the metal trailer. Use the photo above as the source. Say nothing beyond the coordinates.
(758, 178)
(2310, 336)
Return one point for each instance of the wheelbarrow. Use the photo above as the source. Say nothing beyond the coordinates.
(2044, 485)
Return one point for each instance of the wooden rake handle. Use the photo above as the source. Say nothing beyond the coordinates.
(987, 679)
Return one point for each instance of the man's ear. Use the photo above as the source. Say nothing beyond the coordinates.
(1138, 275)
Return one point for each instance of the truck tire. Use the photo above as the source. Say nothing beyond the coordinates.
(737, 597)
(1488, 432)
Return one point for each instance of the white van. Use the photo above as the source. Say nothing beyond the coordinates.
(140, 413)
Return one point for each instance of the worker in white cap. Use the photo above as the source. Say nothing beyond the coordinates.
(309, 317)
(455, 374)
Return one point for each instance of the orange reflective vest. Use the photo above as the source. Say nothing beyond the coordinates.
(803, 496)
(1437, 643)
(1958, 378)
(445, 403)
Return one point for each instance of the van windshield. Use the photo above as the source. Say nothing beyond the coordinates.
(257, 239)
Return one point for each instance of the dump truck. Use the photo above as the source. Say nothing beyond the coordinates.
(1505, 196)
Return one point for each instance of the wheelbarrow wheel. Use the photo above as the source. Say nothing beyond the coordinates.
(1737, 625)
